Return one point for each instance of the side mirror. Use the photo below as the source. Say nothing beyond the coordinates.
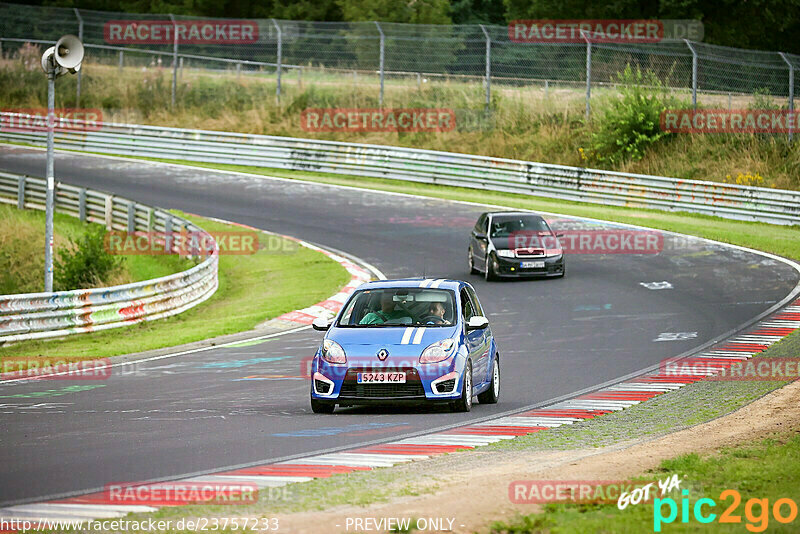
(477, 322)
(321, 324)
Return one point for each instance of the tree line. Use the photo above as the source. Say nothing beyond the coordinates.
(755, 24)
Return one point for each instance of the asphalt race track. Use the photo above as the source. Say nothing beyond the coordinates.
(235, 405)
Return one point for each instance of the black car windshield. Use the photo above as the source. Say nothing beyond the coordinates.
(371, 308)
(506, 225)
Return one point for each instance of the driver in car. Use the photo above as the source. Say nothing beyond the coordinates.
(388, 311)
(435, 314)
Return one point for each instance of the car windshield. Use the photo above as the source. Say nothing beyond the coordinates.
(506, 225)
(371, 308)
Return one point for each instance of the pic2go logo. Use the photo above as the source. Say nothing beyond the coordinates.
(756, 511)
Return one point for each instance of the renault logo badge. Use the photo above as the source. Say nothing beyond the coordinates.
(383, 354)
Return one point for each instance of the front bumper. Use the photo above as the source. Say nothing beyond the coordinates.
(512, 267)
(438, 382)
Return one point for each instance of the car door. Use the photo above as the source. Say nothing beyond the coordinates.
(479, 241)
(482, 358)
(474, 338)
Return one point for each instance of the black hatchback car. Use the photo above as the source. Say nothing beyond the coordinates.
(515, 244)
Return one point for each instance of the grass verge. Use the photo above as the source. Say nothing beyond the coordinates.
(252, 288)
(757, 472)
(22, 257)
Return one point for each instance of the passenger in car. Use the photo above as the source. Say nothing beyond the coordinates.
(388, 311)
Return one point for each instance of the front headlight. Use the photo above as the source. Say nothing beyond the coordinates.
(332, 352)
(505, 253)
(437, 352)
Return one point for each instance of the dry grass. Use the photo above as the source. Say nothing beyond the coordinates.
(528, 122)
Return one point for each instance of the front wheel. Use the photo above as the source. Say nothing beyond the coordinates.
(491, 268)
(321, 407)
(464, 404)
(471, 262)
(491, 395)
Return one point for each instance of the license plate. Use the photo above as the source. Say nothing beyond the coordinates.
(532, 265)
(381, 378)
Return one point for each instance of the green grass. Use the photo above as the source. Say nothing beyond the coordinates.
(22, 252)
(765, 470)
(252, 289)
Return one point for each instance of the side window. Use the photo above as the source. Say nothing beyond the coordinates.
(479, 226)
(476, 306)
(485, 224)
(466, 306)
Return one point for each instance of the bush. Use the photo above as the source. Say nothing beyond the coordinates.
(631, 122)
(86, 263)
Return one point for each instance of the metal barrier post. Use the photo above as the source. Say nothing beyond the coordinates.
(791, 90)
(279, 57)
(82, 204)
(80, 72)
(694, 73)
(488, 67)
(109, 212)
(120, 62)
(131, 217)
(380, 30)
(21, 193)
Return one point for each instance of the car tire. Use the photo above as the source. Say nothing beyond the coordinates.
(563, 270)
(464, 404)
(491, 395)
(490, 273)
(471, 263)
(322, 407)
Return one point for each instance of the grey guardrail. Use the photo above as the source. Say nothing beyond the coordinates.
(41, 315)
(426, 166)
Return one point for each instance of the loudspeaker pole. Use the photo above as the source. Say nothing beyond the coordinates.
(51, 183)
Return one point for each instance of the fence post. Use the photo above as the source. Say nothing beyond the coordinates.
(488, 67)
(279, 57)
(80, 72)
(791, 90)
(180, 73)
(109, 212)
(588, 72)
(131, 217)
(380, 30)
(21, 193)
(174, 57)
(694, 73)
(121, 60)
(300, 77)
(82, 204)
(168, 234)
(238, 71)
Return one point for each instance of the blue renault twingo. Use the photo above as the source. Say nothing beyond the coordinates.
(409, 340)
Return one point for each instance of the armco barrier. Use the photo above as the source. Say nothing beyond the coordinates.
(427, 166)
(41, 315)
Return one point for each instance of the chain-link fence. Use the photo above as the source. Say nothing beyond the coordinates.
(389, 55)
